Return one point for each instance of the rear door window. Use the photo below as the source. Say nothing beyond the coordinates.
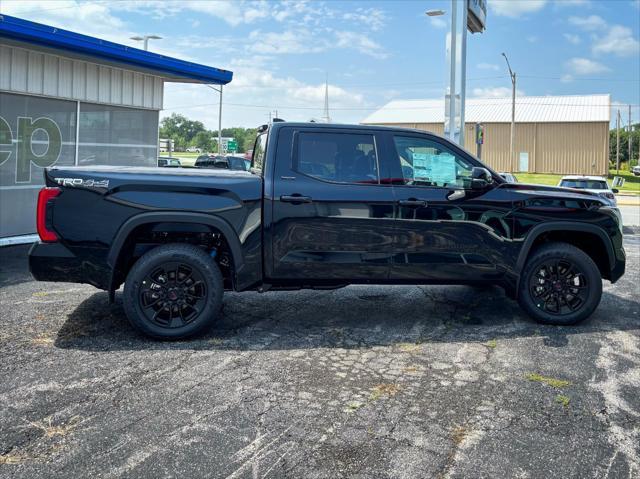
(338, 157)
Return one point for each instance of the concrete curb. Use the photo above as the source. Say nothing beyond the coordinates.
(628, 200)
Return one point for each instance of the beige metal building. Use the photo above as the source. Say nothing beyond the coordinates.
(553, 134)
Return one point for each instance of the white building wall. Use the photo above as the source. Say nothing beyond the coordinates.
(33, 72)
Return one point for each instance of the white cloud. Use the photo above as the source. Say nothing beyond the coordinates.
(304, 40)
(572, 3)
(360, 42)
(374, 18)
(255, 91)
(90, 18)
(572, 38)
(488, 66)
(495, 92)
(437, 22)
(592, 22)
(618, 41)
(532, 39)
(289, 41)
(584, 66)
(516, 8)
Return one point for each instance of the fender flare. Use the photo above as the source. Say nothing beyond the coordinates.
(173, 217)
(537, 230)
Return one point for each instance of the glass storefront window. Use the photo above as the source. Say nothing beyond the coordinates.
(35, 133)
(111, 135)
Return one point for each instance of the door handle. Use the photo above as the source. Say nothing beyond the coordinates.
(295, 198)
(413, 203)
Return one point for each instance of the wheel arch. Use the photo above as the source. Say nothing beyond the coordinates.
(132, 224)
(566, 232)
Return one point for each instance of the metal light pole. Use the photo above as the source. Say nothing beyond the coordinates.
(618, 142)
(146, 39)
(457, 58)
(219, 118)
(630, 139)
(513, 111)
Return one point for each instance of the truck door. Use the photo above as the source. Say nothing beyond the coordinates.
(332, 218)
(445, 230)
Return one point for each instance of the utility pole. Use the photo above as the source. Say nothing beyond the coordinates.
(513, 112)
(220, 123)
(618, 142)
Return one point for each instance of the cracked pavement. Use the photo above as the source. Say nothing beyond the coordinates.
(366, 381)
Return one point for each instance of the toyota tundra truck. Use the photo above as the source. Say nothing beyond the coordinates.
(323, 206)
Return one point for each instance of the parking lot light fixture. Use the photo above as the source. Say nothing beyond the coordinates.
(146, 39)
(435, 13)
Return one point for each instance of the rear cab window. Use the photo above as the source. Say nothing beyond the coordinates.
(337, 157)
(259, 150)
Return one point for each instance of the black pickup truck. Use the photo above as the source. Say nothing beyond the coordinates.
(323, 206)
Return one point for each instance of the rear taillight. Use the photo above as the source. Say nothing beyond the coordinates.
(43, 216)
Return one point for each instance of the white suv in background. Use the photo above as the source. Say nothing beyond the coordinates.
(636, 170)
(593, 184)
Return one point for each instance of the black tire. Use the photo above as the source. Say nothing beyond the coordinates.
(560, 284)
(173, 291)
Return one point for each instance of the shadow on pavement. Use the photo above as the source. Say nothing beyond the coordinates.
(354, 317)
(14, 265)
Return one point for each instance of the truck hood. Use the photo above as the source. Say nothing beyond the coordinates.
(530, 191)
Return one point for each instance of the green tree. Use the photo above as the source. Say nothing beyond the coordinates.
(624, 145)
(180, 129)
(203, 140)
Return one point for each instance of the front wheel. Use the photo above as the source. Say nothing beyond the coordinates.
(560, 284)
(173, 291)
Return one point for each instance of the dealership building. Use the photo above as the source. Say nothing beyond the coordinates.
(71, 99)
(553, 134)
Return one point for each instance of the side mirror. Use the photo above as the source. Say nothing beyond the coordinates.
(480, 178)
(615, 190)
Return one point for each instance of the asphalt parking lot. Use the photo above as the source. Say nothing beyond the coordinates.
(360, 382)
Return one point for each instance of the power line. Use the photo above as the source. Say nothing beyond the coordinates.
(425, 107)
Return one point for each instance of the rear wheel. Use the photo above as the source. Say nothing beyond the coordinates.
(173, 291)
(560, 284)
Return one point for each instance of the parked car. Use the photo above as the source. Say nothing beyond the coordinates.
(208, 161)
(235, 163)
(323, 206)
(508, 177)
(168, 161)
(193, 149)
(636, 170)
(593, 184)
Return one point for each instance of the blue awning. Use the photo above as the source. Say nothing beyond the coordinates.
(49, 37)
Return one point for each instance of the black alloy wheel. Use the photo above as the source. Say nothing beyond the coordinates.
(173, 291)
(173, 295)
(560, 284)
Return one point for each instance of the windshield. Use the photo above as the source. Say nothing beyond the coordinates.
(585, 184)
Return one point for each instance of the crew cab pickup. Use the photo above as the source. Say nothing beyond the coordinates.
(323, 206)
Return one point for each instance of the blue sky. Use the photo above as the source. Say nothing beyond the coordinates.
(373, 52)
